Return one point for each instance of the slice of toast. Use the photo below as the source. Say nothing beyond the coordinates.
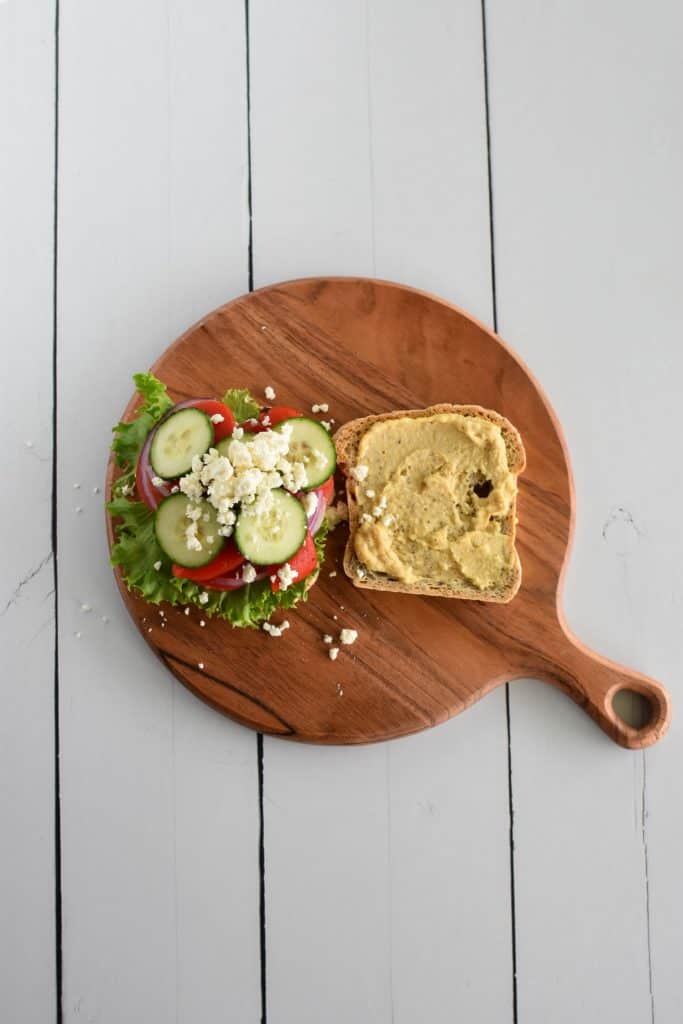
(347, 440)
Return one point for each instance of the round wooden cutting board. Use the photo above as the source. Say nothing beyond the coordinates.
(366, 346)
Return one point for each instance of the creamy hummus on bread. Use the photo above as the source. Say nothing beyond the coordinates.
(434, 501)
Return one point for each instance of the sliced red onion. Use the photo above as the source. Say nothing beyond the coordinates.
(234, 580)
(318, 514)
(150, 493)
(153, 494)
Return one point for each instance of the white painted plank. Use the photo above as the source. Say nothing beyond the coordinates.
(394, 901)
(587, 164)
(27, 848)
(159, 800)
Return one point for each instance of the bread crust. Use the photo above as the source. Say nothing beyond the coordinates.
(347, 440)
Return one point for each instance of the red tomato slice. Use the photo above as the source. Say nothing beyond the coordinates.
(326, 490)
(213, 408)
(305, 561)
(274, 416)
(228, 558)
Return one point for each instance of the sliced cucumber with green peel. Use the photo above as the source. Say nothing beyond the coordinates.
(178, 439)
(311, 444)
(272, 538)
(170, 526)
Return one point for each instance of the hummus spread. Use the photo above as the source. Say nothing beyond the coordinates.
(433, 503)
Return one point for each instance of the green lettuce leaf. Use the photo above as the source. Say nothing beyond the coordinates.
(129, 438)
(241, 404)
(136, 551)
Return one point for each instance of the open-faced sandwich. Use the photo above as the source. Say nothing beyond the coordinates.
(220, 504)
(432, 502)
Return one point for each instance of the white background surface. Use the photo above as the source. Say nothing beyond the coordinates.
(134, 892)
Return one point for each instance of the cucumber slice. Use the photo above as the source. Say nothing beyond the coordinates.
(272, 538)
(178, 439)
(311, 444)
(170, 524)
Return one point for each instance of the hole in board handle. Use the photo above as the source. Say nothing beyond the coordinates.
(634, 709)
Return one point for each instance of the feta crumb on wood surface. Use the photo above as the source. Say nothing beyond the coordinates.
(334, 653)
(327, 639)
(269, 392)
(322, 407)
(348, 636)
(273, 630)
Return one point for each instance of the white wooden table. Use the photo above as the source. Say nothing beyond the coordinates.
(157, 862)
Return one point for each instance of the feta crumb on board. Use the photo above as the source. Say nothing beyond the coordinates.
(327, 639)
(348, 636)
(275, 631)
(201, 666)
(333, 653)
(322, 407)
(269, 392)
(360, 472)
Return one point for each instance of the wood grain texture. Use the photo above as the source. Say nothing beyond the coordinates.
(368, 346)
(28, 975)
(159, 796)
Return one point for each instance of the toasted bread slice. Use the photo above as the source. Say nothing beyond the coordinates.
(347, 440)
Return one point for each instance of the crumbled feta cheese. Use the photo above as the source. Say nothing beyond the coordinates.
(323, 407)
(202, 623)
(348, 636)
(360, 473)
(360, 573)
(333, 574)
(286, 576)
(275, 631)
(29, 444)
(76, 487)
(248, 573)
(210, 540)
(96, 490)
(126, 489)
(203, 597)
(175, 489)
(333, 653)
(366, 518)
(269, 392)
(157, 481)
(310, 503)
(369, 493)
(265, 420)
(86, 608)
(388, 519)
(217, 418)
(327, 639)
(200, 666)
(187, 611)
(78, 510)
(326, 424)
(238, 433)
(157, 566)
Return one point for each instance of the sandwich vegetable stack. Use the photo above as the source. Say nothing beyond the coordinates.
(220, 504)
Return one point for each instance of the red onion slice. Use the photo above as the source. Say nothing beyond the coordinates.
(234, 581)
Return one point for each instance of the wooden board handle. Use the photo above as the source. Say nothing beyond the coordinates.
(592, 681)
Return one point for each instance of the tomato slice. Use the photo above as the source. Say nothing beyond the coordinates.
(228, 558)
(326, 491)
(305, 561)
(213, 408)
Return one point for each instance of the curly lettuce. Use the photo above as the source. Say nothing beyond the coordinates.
(129, 438)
